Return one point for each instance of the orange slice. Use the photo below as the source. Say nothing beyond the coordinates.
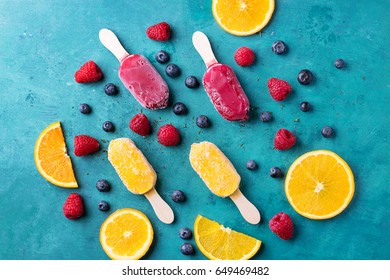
(319, 185)
(51, 158)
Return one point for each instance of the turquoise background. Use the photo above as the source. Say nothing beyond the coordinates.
(42, 45)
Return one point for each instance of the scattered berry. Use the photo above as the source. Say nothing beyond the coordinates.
(305, 106)
(202, 121)
(279, 47)
(339, 63)
(278, 89)
(275, 172)
(282, 225)
(305, 77)
(73, 207)
(327, 131)
(192, 82)
(108, 126)
(84, 108)
(84, 145)
(179, 108)
(162, 56)
(186, 249)
(284, 139)
(103, 206)
(251, 165)
(178, 196)
(103, 185)
(89, 72)
(168, 135)
(159, 32)
(185, 233)
(140, 124)
(244, 56)
(266, 116)
(172, 70)
(110, 89)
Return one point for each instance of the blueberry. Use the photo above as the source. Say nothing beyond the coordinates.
(172, 70)
(339, 63)
(178, 196)
(192, 82)
(305, 106)
(110, 89)
(186, 249)
(162, 56)
(108, 126)
(84, 108)
(327, 131)
(305, 77)
(275, 172)
(103, 206)
(103, 185)
(179, 108)
(266, 116)
(185, 233)
(251, 165)
(202, 121)
(279, 47)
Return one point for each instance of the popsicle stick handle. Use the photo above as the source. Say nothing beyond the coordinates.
(202, 45)
(247, 209)
(111, 42)
(160, 207)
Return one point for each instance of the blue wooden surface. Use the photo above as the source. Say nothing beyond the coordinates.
(42, 45)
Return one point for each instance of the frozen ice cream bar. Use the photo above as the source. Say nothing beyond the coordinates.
(137, 74)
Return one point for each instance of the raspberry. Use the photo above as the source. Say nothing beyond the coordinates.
(159, 32)
(73, 207)
(140, 124)
(89, 72)
(84, 144)
(284, 139)
(282, 225)
(278, 89)
(168, 135)
(244, 56)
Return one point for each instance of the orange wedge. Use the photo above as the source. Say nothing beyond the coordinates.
(51, 158)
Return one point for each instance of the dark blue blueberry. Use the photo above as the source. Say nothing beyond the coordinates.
(305, 77)
(186, 249)
(178, 196)
(192, 82)
(279, 47)
(266, 116)
(84, 108)
(339, 63)
(179, 108)
(202, 121)
(103, 185)
(172, 70)
(110, 89)
(103, 206)
(162, 56)
(108, 126)
(251, 165)
(305, 106)
(185, 233)
(275, 172)
(327, 131)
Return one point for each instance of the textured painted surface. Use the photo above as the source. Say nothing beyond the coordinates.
(42, 45)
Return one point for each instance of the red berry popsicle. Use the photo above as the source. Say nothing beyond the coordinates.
(221, 83)
(137, 74)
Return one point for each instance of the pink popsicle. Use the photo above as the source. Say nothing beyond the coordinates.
(221, 83)
(137, 74)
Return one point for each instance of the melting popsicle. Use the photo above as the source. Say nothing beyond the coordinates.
(221, 83)
(137, 74)
(138, 175)
(220, 176)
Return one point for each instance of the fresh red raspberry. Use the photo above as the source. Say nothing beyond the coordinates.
(140, 124)
(168, 135)
(244, 56)
(284, 139)
(278, 89)
(84, 145)
(89, 72)
(282, 225)
(159, 32)
(73, 207)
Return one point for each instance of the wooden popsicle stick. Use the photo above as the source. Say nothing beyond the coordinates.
(247, 209)
(202, 45)
(160, 207)
(111, 42)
